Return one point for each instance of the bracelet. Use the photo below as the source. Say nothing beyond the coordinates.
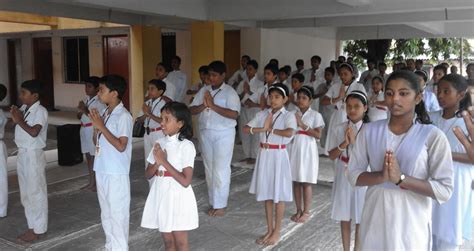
(251, 130)
(340, 149)
(330, 101)
(273, 131)
(307, 128)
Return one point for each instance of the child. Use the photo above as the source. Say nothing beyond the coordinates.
(218, 106)
(178, 79)
(347, 201)
(151, 114)
(366, 76)
(303, 153)
(377, 108)
(113, 137)
(3, 159)
(452, 220)
(438, 72)
(260, 97)
(87, 131)
(30, 136)
(325, 110)
(161, 73)
(411, 164)
(337, 94)
(283, 74)
(271, 180)
(171, 205)
(240, 75)
(382, 71)
(429, 98)
(297, 81)
(315, 73)
(204, 80)
(248, 110)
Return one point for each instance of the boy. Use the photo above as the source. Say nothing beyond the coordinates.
(30, 136)
(218, 106)
(314, 73)
(260, 97)
(113, 137)
(240, 74)
(204, 80)
(283, 74)
(3, 159)
(297, 81)
(87, 131)
(178, 78)
(161, 73)
(366, 77)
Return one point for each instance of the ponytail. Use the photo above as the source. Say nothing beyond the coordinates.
(465, 103)
(421, 113)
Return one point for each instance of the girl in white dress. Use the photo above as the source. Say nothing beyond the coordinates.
(411, 165)
(271, 181)
(377, 108)
(3, 159)
(451, 220)
(347, 201)
(429, 98)
(171, 205)
(337, 94)
(303, 151)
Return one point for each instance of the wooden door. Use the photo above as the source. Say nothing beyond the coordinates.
(43, 69)
(116, 61)
(12, 72)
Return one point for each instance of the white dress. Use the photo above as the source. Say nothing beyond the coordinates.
(271, 178)
(339, 115)
(170, 206)
(347, 201)
(154, 127)
(431, 101)
(378, 112)
(393, 218)
(303, 150)
(451, 220)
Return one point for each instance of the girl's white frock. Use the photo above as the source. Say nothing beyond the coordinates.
(303, 149)
(451, 220)
(347, 201)
(378, 112)
(170, 206)
(271, 178)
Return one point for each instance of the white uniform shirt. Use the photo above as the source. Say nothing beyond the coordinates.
(35, 115)
(319, 75)
(179, 79)
(3, 122)
(110, 160)
(92, 103)
(431, 102)
(155, 108)
(171, 91)
(235, 77)
(226, 97)
(254, 84)
(282, 120)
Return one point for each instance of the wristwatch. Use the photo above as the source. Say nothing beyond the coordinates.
(402, 178)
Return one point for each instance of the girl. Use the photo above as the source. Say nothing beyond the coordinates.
(171, 206)
(429, 98)
(410, 164)
(438, 72)
(337, 94)
(304, 157)
(271, 181)
(377, 109)
(347, 202)
(452, 220)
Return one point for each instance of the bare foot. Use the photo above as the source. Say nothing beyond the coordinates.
(218, 212)
(28, 236)
(304, 217)
(273, 239)
(210, 211)
(295, 217)
(263, 238)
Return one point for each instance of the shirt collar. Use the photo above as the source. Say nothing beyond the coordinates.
(173, 138)
(32, 107)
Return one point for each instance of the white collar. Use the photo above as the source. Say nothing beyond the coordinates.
(357, 125)
(33, 106)
(173, 138)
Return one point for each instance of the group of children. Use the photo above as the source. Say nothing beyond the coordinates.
(391, 175)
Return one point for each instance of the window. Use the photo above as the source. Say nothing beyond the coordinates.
(76, 59)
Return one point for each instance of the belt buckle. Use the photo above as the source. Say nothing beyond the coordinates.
(161, 173)
(266, 146)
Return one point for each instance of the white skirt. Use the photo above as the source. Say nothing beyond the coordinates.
(304, 159)
(347, 201)
(87, 142)
(337, 117)
(271, 178)
(170, 207)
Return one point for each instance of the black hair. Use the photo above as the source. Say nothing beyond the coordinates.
(160, 84)
(204, 69)
(459, 83)
(317, 58)
(181, 112)
(3, 92)
(382, 64)
(299, 62)
(177, 58)
(422, 74)
(410, 60)
(330, 70)
(288, 69)
(247, 57)
(218, 66)
(441, 67)
(115, 83)
(274, 61)
(370, 61)
(167, 67)
(419, 61)
(362, 98)
(343, 58)
(93, 80)
(348, 66)
(284, 70)
(306, 90)
(469, 66)
(271, 67)
(413, 83)
(276, 88)
(34, 86)
(253, 63)
(299, 77)
(379, 78)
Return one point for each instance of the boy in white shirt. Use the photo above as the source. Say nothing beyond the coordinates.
(178, 78)
(241, 74)
(161, 72)
(218, 107)
(113, 137)
(315, 73)
(30, 136)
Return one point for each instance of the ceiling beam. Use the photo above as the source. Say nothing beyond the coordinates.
(26, 18)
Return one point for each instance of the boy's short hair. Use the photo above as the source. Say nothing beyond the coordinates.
(34, 86)
(3, 92)
(177, 58)
(284, 70)
(253, 63)
(299, 77)
(204, 69)
(159, 84)
(330, 70)
(93, 80)
(116, 83)
(246, 57)
(316, 57)
(442, 68)
(383, 64)
(299, 62)
(271, 67)
(218, 66)
(167, 67)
